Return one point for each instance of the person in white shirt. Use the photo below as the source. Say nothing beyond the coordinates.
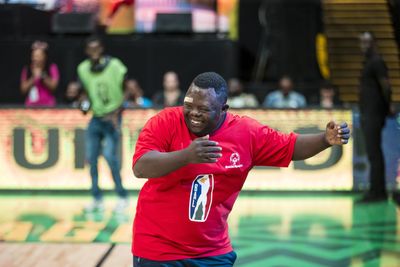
(285, 96)
(238, 98)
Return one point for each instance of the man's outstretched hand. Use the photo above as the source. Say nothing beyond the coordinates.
(337, 134)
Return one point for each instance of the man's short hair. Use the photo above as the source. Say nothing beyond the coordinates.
(213, 80)
(94, 38)
(327, 84)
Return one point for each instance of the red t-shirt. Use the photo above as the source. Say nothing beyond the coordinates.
(184, 214)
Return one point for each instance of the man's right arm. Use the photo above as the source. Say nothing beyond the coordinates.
(382, 76)
(156, 164)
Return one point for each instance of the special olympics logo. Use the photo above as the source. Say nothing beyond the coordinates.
(235, 158)
(234, 161)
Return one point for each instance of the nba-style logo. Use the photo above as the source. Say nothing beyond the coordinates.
(201, 197)
(235, 161)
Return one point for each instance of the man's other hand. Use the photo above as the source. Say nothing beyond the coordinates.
(337, 134)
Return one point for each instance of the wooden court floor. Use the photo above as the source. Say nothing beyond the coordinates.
(36, 254)
(269, 229)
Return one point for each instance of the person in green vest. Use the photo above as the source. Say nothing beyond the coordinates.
(102, 78)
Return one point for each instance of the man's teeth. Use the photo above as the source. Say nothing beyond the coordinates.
(195, 123)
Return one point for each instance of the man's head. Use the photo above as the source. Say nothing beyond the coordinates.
(285, 85)
(235, 87)
(367, 41)
(73, 91)
(133, 89)
(205, 105)
(94, 48)
(39, 53)
(171, 81)
(38, 56)
(327, 90)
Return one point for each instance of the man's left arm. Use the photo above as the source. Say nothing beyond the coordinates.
(308, 145)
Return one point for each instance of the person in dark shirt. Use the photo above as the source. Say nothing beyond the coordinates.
(374, 102)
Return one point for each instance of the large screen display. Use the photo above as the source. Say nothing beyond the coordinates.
(45, 149)
(203, 13)
(141, 15)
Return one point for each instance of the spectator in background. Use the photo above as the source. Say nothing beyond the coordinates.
(171, 94)
(39, 79)
(285, 97)
(102, 78)
(328, 97)
(375, 103)
(72, 94)
(134, 96)
(239, 99)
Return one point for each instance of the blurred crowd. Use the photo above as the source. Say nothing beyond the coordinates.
(40, 79)
(103, 86)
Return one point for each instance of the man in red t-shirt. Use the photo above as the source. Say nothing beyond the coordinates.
(196, 159)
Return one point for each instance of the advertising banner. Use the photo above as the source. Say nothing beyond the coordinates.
(45, 149)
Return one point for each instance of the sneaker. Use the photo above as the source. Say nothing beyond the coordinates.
(96, 205)
(121, 205)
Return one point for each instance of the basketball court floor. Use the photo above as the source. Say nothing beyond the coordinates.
(267, 229)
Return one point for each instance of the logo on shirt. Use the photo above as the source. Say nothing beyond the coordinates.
(235, 161)
(201, 197)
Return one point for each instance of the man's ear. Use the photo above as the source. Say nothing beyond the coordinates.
(225, 107)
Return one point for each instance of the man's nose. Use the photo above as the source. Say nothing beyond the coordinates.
(195, 113)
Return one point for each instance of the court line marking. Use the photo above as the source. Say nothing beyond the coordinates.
(105, 256)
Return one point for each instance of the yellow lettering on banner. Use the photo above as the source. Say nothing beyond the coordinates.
(57, 232)
(5, 228)
(15, 231)
(87, 231)
(73, 231)
(122, 234)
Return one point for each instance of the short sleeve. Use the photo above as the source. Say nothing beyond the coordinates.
(153, 137)
(54, 73)
(267, 101)
(273, 148)
(271, 99)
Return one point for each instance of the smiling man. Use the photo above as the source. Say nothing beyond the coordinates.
(196, 159)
